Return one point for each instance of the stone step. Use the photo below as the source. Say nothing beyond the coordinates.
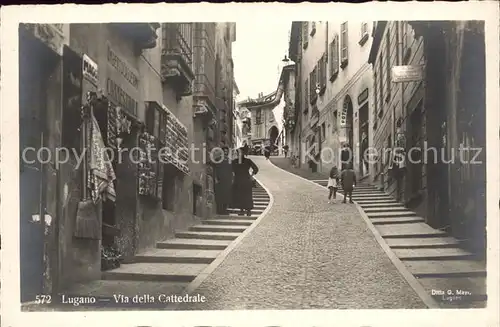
(375, 205)
(378, 198)
(177, 256)
(208, 235)
(260, 197)
(200, 244)
(362, 193)
(377, 202)
(408, 230)
(422, 243)
(255, 212)
(218, 228)
(446, 268)
(260, 203)
(367, 194)
(384, 209)
(235, 216)
(160, 272)
(235, 222)
(396, 220)
(388, 214)
(433, 254)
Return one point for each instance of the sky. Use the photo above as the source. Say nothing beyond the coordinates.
(257, 53)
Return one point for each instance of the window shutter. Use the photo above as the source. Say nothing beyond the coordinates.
(344, 41)
(306, 95)
(336, 55)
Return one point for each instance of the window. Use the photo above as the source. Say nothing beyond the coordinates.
(313, 28)
(322, 74)
(334, 122)
(375, 99)
(396, 24)
(306, 96)
(313, 81)
(388, 65)
(364, 34)
(323, 132)
(344, 45)
(407, 42)
(334, 58)
(178, 39)
(305, 34)
(381, 88)
(258, 116)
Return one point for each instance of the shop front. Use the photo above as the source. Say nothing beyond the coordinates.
(40, 48)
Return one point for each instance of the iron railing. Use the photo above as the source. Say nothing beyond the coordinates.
(178, 39)
(204, 60)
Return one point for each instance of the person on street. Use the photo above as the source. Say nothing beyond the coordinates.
(333, 182)
(267, 151)
(348, 180)
(242, 184)
(345, 157)
(285, 150)
(223, 182)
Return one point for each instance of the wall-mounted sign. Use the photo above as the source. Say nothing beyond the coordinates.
(407, 73)
(122, 82)
(121, 98)
(363, 96)
(122, 67)
(90, 70)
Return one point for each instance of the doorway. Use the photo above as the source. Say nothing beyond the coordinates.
(36, 63)
(363, 140)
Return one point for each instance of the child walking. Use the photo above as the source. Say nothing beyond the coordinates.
(333, 182)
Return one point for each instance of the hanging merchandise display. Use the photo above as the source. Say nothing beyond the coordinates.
(148, 166)
(176, 142)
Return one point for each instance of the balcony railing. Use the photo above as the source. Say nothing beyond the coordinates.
(177, 57)
(143, 34)
(204, 62)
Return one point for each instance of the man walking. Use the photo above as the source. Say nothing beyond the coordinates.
(345, 157)
(348, 181)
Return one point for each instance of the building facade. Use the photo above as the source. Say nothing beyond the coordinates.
(155, 87)
(428, 120)
(333, 84)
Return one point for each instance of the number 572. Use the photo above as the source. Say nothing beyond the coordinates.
(42, 299)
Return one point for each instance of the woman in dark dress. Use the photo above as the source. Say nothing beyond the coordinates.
(267, 151)
(242, 183)
(223, 183)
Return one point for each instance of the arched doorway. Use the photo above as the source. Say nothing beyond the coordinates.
(346, 120)
(273, 134)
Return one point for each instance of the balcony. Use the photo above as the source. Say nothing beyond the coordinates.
(143, 34)
(204, 59)
(177, 57)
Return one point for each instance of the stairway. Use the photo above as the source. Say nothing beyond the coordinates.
(434, 258)
(183, 258)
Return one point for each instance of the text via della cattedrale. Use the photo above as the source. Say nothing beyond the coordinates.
(137, 299)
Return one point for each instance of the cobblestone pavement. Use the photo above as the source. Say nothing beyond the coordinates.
(305, 254)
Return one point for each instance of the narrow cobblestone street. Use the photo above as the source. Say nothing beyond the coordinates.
(305, 253)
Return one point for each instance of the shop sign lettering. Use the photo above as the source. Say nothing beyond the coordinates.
(120, 97)
(122, 68)
(90, 70)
